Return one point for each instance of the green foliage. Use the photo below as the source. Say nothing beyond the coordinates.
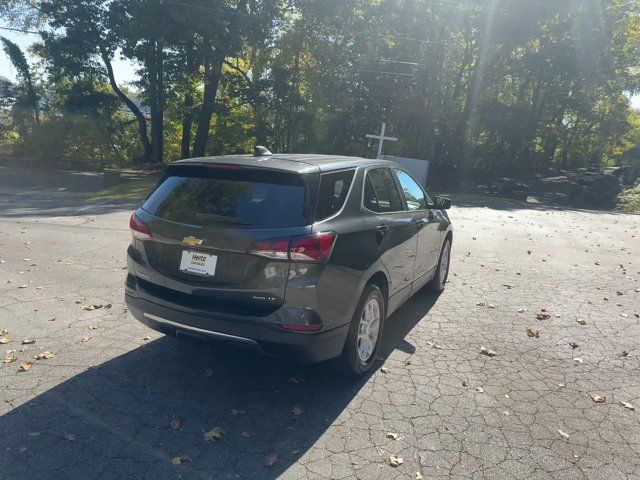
(506, 86)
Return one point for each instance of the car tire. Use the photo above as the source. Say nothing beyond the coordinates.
(351, 361)
(440, 276)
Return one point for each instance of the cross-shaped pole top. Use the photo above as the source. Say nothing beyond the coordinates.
(381, 138)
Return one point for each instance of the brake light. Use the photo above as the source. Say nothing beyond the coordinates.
(277, 248)
(138, 228)
(314, 248)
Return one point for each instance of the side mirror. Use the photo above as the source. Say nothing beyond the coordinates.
(442, 203)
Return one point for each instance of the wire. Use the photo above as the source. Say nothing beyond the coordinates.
(19, 30)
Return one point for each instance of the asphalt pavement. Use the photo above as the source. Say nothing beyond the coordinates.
(526, 367)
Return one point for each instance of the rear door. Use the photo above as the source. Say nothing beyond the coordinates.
(205, 221)
(425, 223)
(395, 231)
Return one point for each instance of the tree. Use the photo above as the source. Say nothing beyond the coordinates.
(19, 61)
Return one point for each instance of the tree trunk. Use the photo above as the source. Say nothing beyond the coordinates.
(213, 71)
(187, 115)
(142, 123)
(155, 71)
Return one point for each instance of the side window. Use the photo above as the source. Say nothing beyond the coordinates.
(334, 188)
(413, 194)
(381, 185)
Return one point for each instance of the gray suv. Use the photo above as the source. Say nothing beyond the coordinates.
(295, 255)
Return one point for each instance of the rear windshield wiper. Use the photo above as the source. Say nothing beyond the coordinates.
(221, 219)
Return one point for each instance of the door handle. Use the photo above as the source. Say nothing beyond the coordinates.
(383, 228)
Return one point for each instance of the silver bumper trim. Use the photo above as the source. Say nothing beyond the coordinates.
(221, 336)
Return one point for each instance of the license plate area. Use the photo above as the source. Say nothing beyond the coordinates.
(198, 263)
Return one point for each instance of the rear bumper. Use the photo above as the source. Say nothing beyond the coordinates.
(261, 333)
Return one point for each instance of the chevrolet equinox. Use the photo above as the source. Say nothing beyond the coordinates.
(298, 255)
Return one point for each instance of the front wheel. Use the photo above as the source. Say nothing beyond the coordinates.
(442, 271)
(365, 333)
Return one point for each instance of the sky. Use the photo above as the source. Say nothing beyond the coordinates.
(123, 69)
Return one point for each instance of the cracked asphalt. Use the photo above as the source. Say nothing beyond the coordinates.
(117, 400)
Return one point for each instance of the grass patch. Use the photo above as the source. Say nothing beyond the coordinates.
(629, 199)
(128, 190)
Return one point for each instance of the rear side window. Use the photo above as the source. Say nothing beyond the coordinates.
(242, 198)
(381, 192)
(334, 188)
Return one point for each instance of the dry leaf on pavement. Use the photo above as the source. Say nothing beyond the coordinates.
(531, 333)
(395, 460)
(215, 434)
(175, 424)
(392, 435)
(28, 341)
(25, 367)
(272, 459)
(487, 352)
(296, 379)
(237, 412)
(4, 340)
(43, 355)
(9, 359)
(563, 434)
(543, 316)
(598, 398)
(181, 459)
(297, 410)
(627, 405)
(384, 370)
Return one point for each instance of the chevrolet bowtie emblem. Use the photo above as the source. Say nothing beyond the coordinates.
(193, 241)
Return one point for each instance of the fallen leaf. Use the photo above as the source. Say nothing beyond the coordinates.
(627, 405)
(86, 338)
(146, 338)
(418, 476)
(25, 367)
(79, 300)
(43, 355)
(175, 424)
(574, 345)
(384, 370)
(4, 340)
(532, 333)
(543, 316)
(297, 411)
(392, 435)
(563, 434)
(181, 459)
(9, 359)
(625, 353)
(272, 459)
(89, 308)
(246, 434)
(215, 434)
(69, 437)
(581, 321)
(28, 341)
(237, 412)
(487, 352)
(598, 398)
(521, 310)
(578, 360)
(395, 460)
(479, 389)
(93, 327)
(465, 383)
(209, 372)
(34, 434)
(23, 286)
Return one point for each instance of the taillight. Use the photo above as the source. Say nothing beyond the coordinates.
(314, 248)
(277, 248)
(138, 228)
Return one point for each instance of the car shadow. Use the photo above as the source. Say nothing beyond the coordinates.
(114, 420)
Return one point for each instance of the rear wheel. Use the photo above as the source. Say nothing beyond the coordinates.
(442, 272)
(365, 333)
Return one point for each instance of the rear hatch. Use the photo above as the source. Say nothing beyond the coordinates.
(206, 220)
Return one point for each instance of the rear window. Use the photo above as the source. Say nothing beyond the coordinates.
(334, 188)
(243, 198)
